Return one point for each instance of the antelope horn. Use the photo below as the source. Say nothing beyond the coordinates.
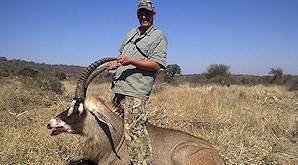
(81, 88)
(94, 74)
(84, 81)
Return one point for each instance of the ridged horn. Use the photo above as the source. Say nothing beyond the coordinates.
(95, 73)
(81, 88)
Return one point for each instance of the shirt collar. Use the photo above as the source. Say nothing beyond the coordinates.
(148, 31)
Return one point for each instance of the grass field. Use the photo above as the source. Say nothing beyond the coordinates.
(246, 124)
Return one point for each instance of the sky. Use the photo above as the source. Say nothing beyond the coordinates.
(250, 36)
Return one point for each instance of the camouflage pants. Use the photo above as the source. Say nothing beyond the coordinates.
(135, 129)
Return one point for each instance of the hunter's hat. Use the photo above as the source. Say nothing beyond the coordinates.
(146, 4)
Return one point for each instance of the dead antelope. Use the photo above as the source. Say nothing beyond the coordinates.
(102, 132)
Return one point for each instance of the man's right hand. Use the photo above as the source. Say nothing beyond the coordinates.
(112, 65)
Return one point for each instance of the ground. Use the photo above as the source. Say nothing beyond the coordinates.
(246, 124)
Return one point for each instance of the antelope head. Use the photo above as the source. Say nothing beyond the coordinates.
(71, 120)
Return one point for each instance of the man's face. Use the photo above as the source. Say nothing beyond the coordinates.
(145, 17)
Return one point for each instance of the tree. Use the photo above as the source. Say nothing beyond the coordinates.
(173, 69)
(217, 70)
(167, 75)
(276, 72)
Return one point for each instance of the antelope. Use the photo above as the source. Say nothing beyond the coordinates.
(101, 131)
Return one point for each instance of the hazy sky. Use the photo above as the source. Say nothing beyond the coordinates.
(250, 36)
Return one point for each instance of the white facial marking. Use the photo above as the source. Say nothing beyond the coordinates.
(62, 124)
(53, 122)
(81, 108)
(57, 123)
(70, 111)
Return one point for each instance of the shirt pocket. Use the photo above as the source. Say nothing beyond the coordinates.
(144, 47)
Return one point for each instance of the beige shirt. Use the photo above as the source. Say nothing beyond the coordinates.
(152, 45)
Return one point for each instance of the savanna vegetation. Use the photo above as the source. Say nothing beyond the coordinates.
(248, 119)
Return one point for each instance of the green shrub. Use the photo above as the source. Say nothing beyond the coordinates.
(217, 70)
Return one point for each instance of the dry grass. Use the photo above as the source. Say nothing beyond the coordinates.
(247, 125)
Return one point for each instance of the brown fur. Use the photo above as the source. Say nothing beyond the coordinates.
(170, 147)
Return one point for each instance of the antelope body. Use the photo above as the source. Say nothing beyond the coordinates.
(103, 140)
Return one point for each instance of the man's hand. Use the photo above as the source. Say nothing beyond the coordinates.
(125, 60)
(149, 64)
(112, 65)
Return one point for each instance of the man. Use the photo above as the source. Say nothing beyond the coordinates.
(142, 53)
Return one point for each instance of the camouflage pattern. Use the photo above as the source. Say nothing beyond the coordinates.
(146, 4)
(135, 129)
(117, 108)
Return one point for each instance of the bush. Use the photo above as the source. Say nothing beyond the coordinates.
(293, 85)
(245, 80)
(221, 80)
(45, 82)
(4, 73)
(61, 75)
(196, 79)
(28, 72)
(266, 80)
(217, 70)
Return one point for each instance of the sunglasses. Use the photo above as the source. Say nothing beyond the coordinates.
(145, 13)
